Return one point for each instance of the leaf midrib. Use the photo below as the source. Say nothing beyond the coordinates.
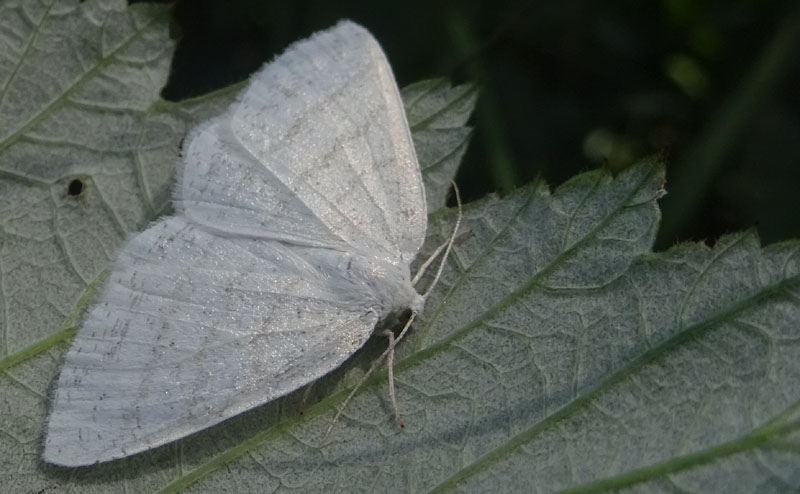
(57, 100)
(24, 54)
(534, 281)
(425, 123)
(760, 437)
(688, 334)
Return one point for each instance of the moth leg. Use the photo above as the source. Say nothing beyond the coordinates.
(389, 351)
(306, 394)
(390, 364)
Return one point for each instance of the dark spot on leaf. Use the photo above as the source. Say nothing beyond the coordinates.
(75, 187)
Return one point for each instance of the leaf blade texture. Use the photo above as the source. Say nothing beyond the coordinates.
(558, 353)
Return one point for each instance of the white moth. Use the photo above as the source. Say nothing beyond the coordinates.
(298, 211)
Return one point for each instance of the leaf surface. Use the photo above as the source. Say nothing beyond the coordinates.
(557, 352)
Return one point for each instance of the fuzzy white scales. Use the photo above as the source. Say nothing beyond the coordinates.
(298, 212)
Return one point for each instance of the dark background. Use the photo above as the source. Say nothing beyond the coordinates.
(710, 87)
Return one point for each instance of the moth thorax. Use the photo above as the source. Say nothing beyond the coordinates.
(387, 285)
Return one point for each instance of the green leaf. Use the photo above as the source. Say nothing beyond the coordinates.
(437, 115)
(556, 353)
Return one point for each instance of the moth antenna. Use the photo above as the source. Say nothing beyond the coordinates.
(425, 265)
(447, 244)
